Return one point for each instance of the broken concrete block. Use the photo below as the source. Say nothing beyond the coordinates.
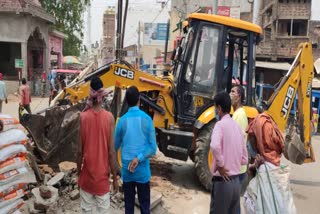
(76, 186)
(40, 208)
(45, 168)
(30, 208)
(67, 166)
(46, 178)
(41, 203)
(56, 179)
(74, 181)
(53, 209)
(45, 192)
(75, 194)
(155, 199)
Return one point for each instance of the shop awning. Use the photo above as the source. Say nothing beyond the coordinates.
(68, 71)
(273, 65)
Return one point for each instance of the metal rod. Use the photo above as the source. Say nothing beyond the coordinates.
(293, 65)
(119, 21)
(124, 26)
(250, 70)
(285, 78)
(167, 40)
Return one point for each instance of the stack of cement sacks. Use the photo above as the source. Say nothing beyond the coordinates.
(15, 171)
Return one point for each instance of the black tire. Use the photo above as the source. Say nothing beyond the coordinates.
(201, 155)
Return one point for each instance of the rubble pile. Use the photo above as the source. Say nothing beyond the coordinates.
(60, 191)
(55, 185)
(62, 184)
(15, 171)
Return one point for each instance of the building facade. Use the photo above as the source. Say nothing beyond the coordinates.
(108, 36)
(24, 40)
(56, 48)
(285, 23)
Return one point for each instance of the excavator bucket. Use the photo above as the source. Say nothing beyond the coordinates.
(55, 133)
(294, 148)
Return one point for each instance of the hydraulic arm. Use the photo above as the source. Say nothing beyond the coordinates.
(297, 81)
(121, 76)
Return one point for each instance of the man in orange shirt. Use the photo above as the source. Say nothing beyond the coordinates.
(96, 154)
(25, 97)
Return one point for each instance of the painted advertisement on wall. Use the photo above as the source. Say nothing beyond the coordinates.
(233, 12)
(154, 33)
(224, 11)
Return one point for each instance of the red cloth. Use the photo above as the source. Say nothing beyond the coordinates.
(25, 96)
(95, 136)
(270, 141)
(98, 95)
(43, 76)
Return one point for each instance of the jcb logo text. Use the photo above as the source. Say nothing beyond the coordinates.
(124, 73)
(287, 101)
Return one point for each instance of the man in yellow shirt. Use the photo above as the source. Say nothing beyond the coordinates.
(239, 115)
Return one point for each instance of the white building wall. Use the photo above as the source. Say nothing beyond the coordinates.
(144, 11)
(315, 10)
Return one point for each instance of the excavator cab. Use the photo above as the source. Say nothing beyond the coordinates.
(211, 55)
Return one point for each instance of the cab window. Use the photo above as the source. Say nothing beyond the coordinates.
(206, 61)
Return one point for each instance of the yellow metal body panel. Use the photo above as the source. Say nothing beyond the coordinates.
(237, 23)
(209, 114)
(210, 159)
(166, 102)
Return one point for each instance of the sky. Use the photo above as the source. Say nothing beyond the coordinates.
(139, 10)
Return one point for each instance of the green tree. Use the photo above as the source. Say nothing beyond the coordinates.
(68, 15)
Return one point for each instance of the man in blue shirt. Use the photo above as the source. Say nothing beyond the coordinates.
(135, 135)
(3, 92)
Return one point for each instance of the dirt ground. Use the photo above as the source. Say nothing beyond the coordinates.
(175, 180)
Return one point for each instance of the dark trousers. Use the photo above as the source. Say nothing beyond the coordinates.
(243, 178)
(225, 196)
(129, 189)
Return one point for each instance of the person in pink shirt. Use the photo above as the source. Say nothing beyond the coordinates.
(25, 97)
(229, 153)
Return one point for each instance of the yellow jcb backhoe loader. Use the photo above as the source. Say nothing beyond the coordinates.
(180, 102)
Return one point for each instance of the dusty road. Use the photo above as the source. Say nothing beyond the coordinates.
(181, 191)
(305, 180)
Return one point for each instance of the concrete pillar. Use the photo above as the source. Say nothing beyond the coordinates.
(24, 57)
(46, 58)
(256, 11)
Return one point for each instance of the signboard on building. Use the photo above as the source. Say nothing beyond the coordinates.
(154, 33)
(224, 11)
(233, 12)
(18, 63)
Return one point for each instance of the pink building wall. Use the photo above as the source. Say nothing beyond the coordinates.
(56, 47)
